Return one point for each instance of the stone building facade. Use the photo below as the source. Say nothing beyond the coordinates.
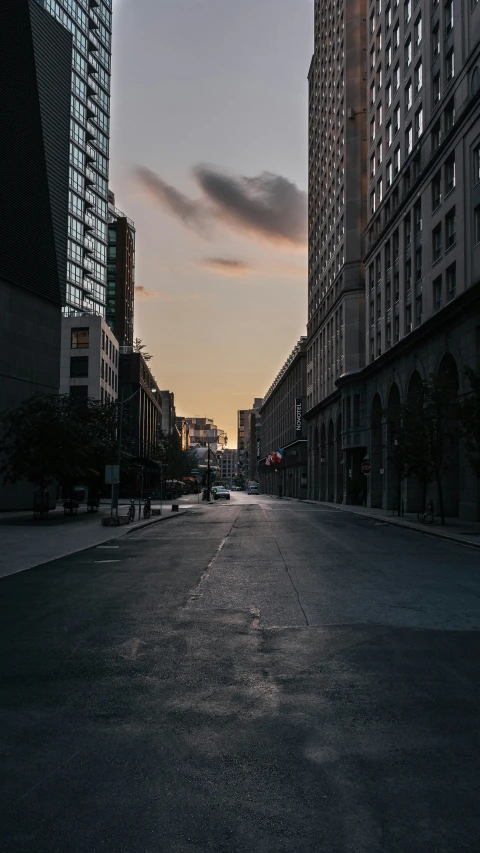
(282, 427)
(422, 252)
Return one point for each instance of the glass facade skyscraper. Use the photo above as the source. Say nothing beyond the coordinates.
(90, 22)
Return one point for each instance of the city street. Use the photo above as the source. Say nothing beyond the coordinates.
(260, 676)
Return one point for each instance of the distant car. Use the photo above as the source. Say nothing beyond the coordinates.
(253, 489)
(220, 492)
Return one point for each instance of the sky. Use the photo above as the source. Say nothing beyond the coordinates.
(209, 158)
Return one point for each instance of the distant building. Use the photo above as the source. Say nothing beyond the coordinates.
(282, 428)
(143, 411)
(203, 432)
(182, 428)
(248, 429)
(90, 358)
(168, 412)
(120, 274)
(227, 461)
(35, 73)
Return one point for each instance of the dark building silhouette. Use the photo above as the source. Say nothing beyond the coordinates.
(120, 274)
(35, 72)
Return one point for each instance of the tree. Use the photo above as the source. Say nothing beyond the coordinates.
(469, 417)
(49, 439)
(139, 346)
(425, 434)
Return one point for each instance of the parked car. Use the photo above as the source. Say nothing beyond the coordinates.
(253, 488)
(220, 492)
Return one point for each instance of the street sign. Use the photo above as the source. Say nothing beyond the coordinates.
(112, 475)
(366, 467)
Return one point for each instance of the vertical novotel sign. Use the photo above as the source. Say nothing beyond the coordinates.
(298, 417)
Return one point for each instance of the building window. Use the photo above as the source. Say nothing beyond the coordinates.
(418, 123)
(396, 119)
(79, 367)
(437, 191)
(408, 319)
(449, 65)
(408, 10)
(450, 229)
(409, 139)
(449, 115)
(372, 130)
(389, 175)
(418, 265)
(408, 95)
(372, 202)
(103, 340)
(396, 36)
(451, 281)
(448, 16)
(450, 174)
(437, 293)
(373, 93)
(388, 94)
(407, 231)
(379, 115)
(408, 276)
(380, 190)
(388, 55)
(417, 219)
(389, 335)
(390, 135)
(418, 30)
(418, 78)
(397, 329)
(436, 89)
(396, 79)
(396, 161)
(436, 135)
(408, 52)
(476, 165)
(80, 338)
(437, 243)
(418, 310)
(476, 226)
(436, 41)
(388, 16)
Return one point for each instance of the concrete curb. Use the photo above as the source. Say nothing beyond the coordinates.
(140, 526)
(424, 531)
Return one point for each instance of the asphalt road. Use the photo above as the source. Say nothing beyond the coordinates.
(259, 676)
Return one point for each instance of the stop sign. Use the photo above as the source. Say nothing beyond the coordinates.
(366, 467)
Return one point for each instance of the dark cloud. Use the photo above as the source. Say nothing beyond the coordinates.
(143, 294)
(227, 266)
(267, 204)
(194, 214)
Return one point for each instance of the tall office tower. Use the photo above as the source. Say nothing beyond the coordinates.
(35, 70)
(90, 23)
(337, 215)
(423, 230)
(120, 274)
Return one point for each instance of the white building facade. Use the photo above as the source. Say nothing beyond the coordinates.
(89, 360)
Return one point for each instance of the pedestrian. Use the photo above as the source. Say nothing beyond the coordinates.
(280, 491)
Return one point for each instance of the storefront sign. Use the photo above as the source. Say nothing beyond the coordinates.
(298, 416)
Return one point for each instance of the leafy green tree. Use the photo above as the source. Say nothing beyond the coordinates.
(469, 417)
(48, 439)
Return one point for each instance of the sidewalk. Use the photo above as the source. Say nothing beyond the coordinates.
(27, 542)
(455, 530)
